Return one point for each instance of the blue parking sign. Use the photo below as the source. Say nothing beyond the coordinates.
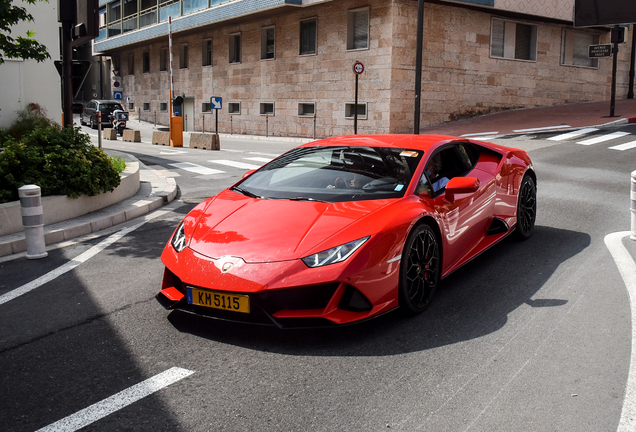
(216, 102)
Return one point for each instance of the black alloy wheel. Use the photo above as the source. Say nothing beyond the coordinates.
(526, 208)
(420, 269)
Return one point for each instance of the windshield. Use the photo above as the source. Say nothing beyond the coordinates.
(110, 106)
(334, 174)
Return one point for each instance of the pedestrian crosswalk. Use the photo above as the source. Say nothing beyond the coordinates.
(587, 136)
(218, 166)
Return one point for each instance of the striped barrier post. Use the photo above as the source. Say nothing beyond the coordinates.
(32, 220)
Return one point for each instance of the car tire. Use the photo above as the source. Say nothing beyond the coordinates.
(82, 122)
(93, 126)
(526, 208)
(420, 269)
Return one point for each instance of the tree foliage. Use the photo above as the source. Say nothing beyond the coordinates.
(21, 46)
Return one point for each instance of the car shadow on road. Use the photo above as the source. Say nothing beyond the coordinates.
(472, 302)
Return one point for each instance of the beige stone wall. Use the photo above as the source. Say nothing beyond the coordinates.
(459, 77)
(560, 9)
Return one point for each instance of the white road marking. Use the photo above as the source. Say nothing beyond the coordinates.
(171, 152)
(483, 138)
(627, 270)
(573, 134)
(234, 164)
(479, 134)
(542, 128)
(81, 258)
(118, 401)
(603, 138)
(259, 159)
(199, 169)
(626, 146)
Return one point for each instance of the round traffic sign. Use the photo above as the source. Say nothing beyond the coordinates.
(358, 68)
(116, 83)
(94, 95)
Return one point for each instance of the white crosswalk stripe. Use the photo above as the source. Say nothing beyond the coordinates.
(198, 169)
(625, 146)
(603, 138)
(235, 164)
(573, 134)
(259, 159)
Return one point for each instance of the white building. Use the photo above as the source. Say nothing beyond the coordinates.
(26, 81)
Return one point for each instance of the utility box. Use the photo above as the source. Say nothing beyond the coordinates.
(176, 132)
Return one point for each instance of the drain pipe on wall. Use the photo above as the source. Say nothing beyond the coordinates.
(418, 66)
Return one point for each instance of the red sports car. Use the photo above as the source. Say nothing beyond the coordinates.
(347, 228)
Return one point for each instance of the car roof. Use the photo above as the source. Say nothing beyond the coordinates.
(101, 101)
(406, 141)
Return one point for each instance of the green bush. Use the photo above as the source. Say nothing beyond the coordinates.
(119, 163)
(60, 161)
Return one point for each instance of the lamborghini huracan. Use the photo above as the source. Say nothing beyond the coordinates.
(347, 228)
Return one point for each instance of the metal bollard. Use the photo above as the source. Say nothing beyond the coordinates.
(633, 206)
(32, 220)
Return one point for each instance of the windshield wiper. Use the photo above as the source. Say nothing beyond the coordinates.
(306, 199)
(244, 192)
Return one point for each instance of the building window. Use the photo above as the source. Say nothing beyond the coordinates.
(308, 37)
(362, 110)
(267, 43)
(163, 106)
(235, 48)
(206, 107)
(114, 18)
(102, 24)
(183, 56)
(358, 29)
(513, 40)
(131, 106)
(146, 64)
(163, 59)
(306, 109)
(146, 106)
(575, 48)
(234, 108)
(267, 108)
(206, 52)
(131, 64)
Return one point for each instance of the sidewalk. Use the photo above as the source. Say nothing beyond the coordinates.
(562, 117)
(157, 190)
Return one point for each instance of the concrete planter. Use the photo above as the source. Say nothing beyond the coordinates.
(59, 208)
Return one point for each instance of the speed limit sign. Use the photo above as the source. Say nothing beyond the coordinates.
(358, 68)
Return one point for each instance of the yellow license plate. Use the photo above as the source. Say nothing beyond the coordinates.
(219, 300)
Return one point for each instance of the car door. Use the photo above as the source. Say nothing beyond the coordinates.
(465, 217)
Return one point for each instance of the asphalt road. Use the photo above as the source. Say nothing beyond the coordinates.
(530, 336)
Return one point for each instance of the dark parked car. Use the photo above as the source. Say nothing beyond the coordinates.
(106, 107)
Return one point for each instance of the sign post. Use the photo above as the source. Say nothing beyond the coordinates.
(358, 68)
(216, 103)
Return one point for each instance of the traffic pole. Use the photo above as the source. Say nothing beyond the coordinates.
(99, 129)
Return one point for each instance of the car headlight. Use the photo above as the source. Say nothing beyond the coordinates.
(179, 239)
(334, 255)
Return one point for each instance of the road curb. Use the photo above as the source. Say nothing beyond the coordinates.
(165, 191)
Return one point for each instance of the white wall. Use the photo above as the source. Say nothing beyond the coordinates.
(24, 82)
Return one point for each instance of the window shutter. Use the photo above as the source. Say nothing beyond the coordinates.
(497, 44)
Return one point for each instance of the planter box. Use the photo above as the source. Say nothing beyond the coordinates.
(59, 208)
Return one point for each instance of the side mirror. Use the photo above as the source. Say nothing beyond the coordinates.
(249, 173)
(461, 185)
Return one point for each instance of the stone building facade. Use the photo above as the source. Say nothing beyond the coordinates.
(479, 56)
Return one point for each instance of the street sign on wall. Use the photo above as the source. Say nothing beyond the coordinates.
(596, 51)
(118, 95)
(216, 102)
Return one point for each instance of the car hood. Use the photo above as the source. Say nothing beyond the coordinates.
(269, 230)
